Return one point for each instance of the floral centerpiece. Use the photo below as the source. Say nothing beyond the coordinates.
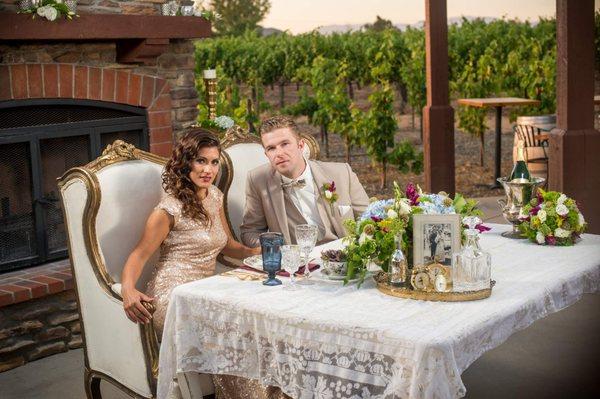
(370, 240)
(220, 123)
(552, 218)
(49, 9)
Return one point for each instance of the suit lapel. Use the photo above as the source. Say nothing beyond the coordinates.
(326, 210)
(277, 200)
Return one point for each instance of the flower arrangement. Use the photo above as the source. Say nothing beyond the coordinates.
(49, 9)
(220, 123)
(552, 218)
(370, 242)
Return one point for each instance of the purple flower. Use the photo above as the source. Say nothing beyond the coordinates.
(376, 219)
(482, 228)
(534, 211)
(550, 240)
(412, 194)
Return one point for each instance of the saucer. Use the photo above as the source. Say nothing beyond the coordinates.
(254, 261)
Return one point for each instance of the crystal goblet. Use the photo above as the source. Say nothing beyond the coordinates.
(290, 262)
(271, 243)
(306, 237)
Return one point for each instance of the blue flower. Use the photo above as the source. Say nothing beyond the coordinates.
(377, 209)
(437, 205)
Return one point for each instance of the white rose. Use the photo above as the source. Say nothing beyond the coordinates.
(51, 13)
(561, 199)
(562, 233)
(522, 215)
(539, 237)
(562, 209)
(542, 215)
(41, 11)
(405, 208)
(392, 214)
(328, 194)
(581, 219)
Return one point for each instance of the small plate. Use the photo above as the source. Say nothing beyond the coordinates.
(327, 277)
(254, 261)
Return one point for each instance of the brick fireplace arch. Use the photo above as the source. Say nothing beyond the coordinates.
(60, 80)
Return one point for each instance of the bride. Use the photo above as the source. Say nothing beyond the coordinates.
(190, 228)
(188, 225)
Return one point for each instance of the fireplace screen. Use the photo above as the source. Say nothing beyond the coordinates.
(36, 147)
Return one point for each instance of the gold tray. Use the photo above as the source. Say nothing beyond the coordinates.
(382, 284)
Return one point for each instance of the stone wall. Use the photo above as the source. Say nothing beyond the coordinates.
(38, 328)
(176, 65)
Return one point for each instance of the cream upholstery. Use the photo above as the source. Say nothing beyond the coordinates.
(106, 204)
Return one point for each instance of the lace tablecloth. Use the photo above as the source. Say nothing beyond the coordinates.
(329, 341)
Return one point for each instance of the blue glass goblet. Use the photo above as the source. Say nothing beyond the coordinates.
(270, 244)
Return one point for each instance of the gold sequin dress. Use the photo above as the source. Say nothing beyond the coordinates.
(188, 253)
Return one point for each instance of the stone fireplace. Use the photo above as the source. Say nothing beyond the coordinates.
(67, 89)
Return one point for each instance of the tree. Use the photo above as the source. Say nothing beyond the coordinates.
(239, 16)
(379, 25)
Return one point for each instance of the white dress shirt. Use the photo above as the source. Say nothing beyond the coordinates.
(305, 199)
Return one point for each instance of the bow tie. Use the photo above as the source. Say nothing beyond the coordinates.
(295, 184)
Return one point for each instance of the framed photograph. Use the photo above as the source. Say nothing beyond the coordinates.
(435, 238)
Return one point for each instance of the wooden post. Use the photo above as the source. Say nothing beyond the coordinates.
(438, 115)
(574, 163)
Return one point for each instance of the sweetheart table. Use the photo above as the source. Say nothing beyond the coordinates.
(331, 341)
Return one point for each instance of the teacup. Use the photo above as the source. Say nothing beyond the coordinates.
(335, 268)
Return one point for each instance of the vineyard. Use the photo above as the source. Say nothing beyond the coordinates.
(499, 58)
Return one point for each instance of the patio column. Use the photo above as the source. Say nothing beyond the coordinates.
(574, 160)
(438, 115)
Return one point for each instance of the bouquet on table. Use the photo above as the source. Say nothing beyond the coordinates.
(370, 241)
(552, 218)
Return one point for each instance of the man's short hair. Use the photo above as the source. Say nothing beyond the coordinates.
(279, 122)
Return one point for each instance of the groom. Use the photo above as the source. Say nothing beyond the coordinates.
(289, 190)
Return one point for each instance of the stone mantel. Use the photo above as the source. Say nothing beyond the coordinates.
(139, 38)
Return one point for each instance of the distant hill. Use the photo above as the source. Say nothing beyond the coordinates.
(329, 29)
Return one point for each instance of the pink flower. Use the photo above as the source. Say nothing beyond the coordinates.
(550, 240)
(412, 194)
(482, 228)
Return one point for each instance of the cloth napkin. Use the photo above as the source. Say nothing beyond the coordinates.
(283, 273)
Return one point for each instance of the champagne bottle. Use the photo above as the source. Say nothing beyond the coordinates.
(520, 173)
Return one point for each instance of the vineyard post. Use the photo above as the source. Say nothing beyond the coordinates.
(438, 115)
(574, 164)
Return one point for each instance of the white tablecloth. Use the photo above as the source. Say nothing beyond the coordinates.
(329, 341)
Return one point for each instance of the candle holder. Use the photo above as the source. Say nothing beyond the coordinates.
(210, 82)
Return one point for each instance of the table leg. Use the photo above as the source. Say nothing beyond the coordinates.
(498, 152)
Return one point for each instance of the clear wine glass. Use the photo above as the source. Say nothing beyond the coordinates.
(290, 262)
(306, 237)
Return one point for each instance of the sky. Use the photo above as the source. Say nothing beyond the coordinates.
(304, 15)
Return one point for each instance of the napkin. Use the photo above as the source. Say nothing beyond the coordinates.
(283, 273)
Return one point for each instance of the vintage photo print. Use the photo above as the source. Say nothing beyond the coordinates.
(435, 238)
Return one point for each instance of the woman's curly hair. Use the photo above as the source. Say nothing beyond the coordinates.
(176, 180)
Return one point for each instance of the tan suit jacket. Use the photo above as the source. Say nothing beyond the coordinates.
(268, 207)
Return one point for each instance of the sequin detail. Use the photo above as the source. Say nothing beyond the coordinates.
(233, 387)
(188, 253)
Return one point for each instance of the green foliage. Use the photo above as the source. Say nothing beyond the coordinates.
(239, 16)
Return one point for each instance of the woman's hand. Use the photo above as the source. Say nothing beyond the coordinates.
(255, 251)
(132, 303)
